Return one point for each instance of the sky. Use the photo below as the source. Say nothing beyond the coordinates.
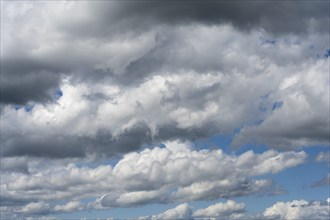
(165, 109)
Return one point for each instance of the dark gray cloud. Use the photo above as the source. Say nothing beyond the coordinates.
(24, 87)
(279, 17)
(61, 146)
(14, 200)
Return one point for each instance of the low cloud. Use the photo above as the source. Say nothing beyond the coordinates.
(151, 176)
(221, 210)
(296, 209)
(299, 209)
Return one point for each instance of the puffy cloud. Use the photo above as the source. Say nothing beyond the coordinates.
(299, 209)
(35, 208)
(77, 88)
(122, 89)
(225, 210)
(122, 120)
(151, 176)
(69, 207)
(284, 127)
(182, 211)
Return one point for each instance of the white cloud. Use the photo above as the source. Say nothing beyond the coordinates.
(35, 208)
(158, 175)
(182, 211)
(299, 209)
(68, 207)
(221, 210)
(296, 209)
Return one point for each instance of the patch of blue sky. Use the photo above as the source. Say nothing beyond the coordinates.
(323, 55)
(18, 107)
(268, 42)
(296, 181)
(220, 141)
(28, 108)
(277, 105)
(264, 102)
(58, 94)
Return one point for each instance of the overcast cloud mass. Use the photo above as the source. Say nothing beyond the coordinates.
(110, 105)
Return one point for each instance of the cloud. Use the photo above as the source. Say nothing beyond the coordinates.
(299, 209)
(137, 75)
(155, 71)
(68, 207)
(140, 16)
(182, 211)
(221, 210)
(35, 208)
(227, 210)
(284, 127)
(296, 209)
(123, 119)
(151, 176)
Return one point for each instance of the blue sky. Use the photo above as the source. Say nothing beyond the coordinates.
(165, 109)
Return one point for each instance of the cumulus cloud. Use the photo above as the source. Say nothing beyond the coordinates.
(226, 210)
(296, 209)
(223, 210)
(299, 209)
(35, 208)
(122, 120)
(68, 207)
(195, 68)
(182, 211)
(151, 176)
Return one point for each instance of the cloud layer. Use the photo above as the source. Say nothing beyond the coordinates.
(297, 209)
(188, 76)
(151, 176)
